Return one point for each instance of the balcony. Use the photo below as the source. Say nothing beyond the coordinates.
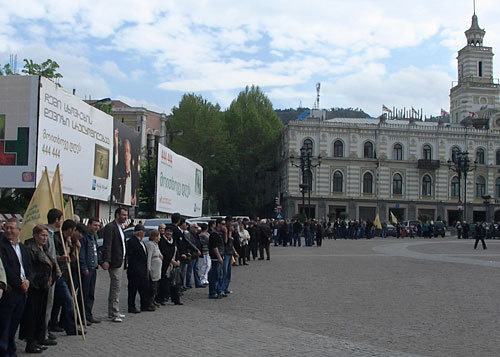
(428, 164)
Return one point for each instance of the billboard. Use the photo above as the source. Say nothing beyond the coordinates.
(77, 136)
(179, 184)
(18, 128)
(126, 164)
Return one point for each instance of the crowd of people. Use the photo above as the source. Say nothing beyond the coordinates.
(47, 283)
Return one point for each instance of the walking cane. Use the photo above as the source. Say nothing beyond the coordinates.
(76, 310)
(81, 287)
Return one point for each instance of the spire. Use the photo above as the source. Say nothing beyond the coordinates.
(474, 34)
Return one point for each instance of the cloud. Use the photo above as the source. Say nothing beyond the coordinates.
(111, 69)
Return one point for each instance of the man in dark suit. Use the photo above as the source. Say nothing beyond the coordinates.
(137, 271)
(16, 263)
(113, 254)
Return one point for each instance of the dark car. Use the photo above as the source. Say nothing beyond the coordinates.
(439, 229)
(391, 231)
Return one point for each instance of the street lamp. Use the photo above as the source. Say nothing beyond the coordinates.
(462, 166)
(306, 165)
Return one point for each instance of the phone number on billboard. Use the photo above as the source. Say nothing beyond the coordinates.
(51, 151)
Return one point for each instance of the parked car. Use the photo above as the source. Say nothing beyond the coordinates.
(411, 224)
(439, 229)
(391, 230)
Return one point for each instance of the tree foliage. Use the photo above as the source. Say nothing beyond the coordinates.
(6, 70)
(47, 69)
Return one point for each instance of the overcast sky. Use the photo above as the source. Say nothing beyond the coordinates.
(147, 52)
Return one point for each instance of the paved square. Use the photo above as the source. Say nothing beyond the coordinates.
(381, 297)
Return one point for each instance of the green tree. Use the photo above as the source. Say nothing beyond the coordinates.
(47, 69)
(254, 130)
(147, 193)
(6, 70)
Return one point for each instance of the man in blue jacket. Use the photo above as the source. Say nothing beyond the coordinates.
(88, 266)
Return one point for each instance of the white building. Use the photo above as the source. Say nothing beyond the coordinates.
(372, 166)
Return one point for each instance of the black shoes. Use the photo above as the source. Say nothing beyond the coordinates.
(33, 348)
(133, 310)
(149, 308)
(93, 320)
(48, 342)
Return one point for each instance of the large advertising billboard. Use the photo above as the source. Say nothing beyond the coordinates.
(179, 184)
(77, 136)
(126, 164)
(18, 124)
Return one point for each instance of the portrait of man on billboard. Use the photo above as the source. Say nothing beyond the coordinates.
(125, 165)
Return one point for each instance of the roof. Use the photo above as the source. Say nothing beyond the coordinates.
(363, 121)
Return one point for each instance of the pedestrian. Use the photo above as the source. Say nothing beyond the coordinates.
(195, 248)
(458, 226)
(154, 265)
(320, 232)
(113, 252)
(216, 250)
(265, 240)
(229, 253)
(15, 258)
(88, 266)
(480, 234)
(206, 263)
(244, 239)
(137, 271)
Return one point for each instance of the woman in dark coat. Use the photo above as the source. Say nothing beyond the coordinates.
(44, 268)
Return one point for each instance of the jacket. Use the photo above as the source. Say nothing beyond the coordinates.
(112, 248)
(137, 259)
(88, 252)
(43, 266)
(13, 268)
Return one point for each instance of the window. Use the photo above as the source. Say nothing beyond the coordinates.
(367, 183)
(427, 151)
(498, 157)
(454, 153)
(426, 185)
(368, 150)
(480, 186)
(397, 152)
(480, 156)
(338, 149)
(338, 179)
(480, 69)
(397, 184)
(455, 187)
(497, 187)
(308, 145)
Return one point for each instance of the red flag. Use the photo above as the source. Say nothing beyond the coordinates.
(472, 114)
(444, 112)
(385, 109)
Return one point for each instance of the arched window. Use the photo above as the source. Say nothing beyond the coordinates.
(338, 149)
(397, 152)
(397, 184)
(426, 186)
(338, 183)
(455, 187)
(367, 183)
(497, 187)
(427, 151)
(368, 150)
(497, 161)
(480, 156)
(480, 186)
(308, 145)
(454, 153)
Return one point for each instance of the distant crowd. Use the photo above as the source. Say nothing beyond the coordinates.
(47, 283)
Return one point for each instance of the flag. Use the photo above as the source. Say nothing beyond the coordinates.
(57, 191)
(414, 111)
(444, 112)
(472, 114)
(376, 222)
(385, 109)
(393, 218)
(69, 212)
(41, 202)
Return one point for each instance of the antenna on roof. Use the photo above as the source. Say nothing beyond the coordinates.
(318, 87)
(474, 4)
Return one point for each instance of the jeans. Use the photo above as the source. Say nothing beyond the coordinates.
(88, 289)
(296, 238)
(193, 268)
(226, 272)
(205, 268)
(63, 298)
(214, 288)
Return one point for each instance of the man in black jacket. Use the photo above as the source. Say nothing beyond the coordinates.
(137, 271)
(113, 253)
(17, 267)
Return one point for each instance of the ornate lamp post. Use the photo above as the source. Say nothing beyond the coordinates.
(462, 166)
(306, 164)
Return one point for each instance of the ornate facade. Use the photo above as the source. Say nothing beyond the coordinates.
(372, 166)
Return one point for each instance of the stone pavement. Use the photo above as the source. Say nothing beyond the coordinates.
(380, 297)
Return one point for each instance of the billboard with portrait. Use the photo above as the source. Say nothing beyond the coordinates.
(77, 136)
(18, 130)
(179, 184)
(126, 164)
